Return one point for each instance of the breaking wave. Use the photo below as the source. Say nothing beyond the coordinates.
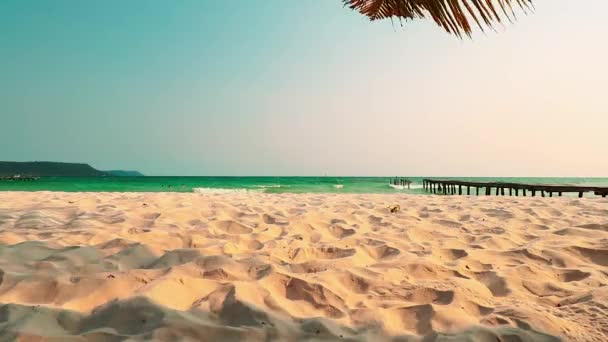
(221, 190)
(404, 187)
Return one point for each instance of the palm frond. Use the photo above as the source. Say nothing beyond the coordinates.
(453, 15)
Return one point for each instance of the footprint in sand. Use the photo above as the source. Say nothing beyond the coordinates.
(596, 256)
(233, 227)
(339, 232)
(381, 251)
(448, 223)
(498, 213)
(309, 267)
(496, 284)
(572, 275)
(354, 283)
(594, 226)
(151, 216)
(415, 318)
(326, 252)
(452, 254)
(419, 295)
(316, 295)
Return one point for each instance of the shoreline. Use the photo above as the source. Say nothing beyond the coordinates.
(318, 185)
(261, 191)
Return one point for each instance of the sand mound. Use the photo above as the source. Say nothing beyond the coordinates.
(259, 267)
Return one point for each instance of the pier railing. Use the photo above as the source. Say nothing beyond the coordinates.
(453, 187)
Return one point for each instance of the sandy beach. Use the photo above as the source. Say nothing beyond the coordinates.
(259, 267)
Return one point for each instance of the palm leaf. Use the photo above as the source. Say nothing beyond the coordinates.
(453, 15)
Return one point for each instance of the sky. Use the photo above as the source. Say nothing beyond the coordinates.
(286, 87)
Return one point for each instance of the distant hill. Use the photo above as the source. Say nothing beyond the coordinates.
(124, 173)
(56, 169)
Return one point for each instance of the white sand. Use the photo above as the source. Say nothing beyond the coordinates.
(194, 267)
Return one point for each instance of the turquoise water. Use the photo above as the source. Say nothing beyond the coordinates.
(261, 184)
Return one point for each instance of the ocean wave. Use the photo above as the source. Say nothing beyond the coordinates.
(338, 186)
(268, 186)
(404, 187)
(215, 191)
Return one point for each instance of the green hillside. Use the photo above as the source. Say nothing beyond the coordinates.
(56, 169)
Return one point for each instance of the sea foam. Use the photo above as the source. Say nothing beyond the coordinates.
(404, 187)
(214, 191)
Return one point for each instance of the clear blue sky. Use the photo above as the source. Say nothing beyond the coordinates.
(286, 87)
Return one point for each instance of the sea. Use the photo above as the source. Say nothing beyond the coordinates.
(380, 185)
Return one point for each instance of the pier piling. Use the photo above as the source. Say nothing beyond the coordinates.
(451, 187)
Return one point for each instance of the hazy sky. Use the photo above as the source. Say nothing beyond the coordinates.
(286, 87)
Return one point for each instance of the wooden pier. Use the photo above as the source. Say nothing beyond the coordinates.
(403, 182)
(454, 187)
